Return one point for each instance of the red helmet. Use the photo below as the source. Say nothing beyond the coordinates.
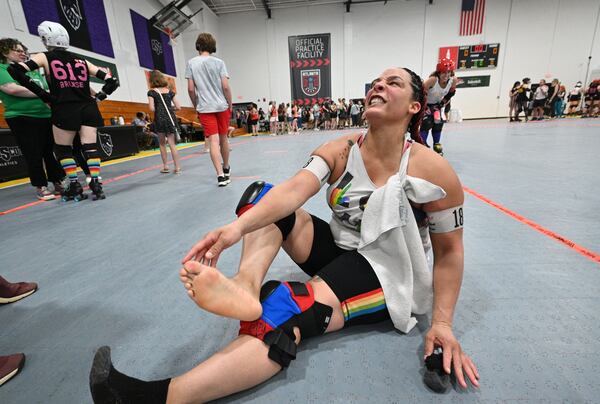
(444, 65)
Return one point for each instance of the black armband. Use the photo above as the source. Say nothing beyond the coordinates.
(448, 96)
(17, 72)
(32, 65)
(111, 85)
(101, 74)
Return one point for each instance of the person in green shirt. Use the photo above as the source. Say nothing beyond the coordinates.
(29, 120)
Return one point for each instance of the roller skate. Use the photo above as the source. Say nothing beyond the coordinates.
(73, 192)
(437, 147)
(96, 188)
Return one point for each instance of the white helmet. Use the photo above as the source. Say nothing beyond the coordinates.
(53, 34)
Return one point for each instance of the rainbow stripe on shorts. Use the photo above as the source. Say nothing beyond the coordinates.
(364, 303)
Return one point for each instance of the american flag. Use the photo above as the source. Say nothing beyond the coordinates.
(471, 17)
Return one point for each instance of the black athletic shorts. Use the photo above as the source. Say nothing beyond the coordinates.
(74, 115)
(348, 274)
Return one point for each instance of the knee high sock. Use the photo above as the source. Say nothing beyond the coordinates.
(436, 136)
(94, 165)
(136, 391)
(68, 164)
(424, 134)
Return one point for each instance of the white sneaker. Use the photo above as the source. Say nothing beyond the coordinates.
(44, 195)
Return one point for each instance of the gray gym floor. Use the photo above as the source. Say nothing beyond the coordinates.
(108, 274)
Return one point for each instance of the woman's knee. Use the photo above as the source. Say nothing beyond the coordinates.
(298, 236)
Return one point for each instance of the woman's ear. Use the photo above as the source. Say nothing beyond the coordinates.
(415, 107)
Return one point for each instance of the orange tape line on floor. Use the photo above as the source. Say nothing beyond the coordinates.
(549, 233)
(121, 177)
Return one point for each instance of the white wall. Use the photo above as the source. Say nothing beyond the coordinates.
(132, 76)
(538, 38)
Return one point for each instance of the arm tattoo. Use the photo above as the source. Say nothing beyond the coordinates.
(344, 154)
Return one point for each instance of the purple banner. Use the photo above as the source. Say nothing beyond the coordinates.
(78, 17)
(154, 50)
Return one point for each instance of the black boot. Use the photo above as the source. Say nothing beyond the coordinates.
(96, 188)
(73, 192)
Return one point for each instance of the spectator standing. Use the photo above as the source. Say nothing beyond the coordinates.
(281, 119)
(559, 104)
(29, 120)
(523, 95)
(574, 98)
(512, 105)
(539, 101)
(253, 119)
(162, 101)
(273, 118)
(209, 90)
(552, 97)
(354, 113)
(295, 116)
(316, 115)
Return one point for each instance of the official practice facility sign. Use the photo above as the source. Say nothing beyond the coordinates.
(310, 68)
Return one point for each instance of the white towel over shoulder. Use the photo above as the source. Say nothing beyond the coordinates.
(391, 242)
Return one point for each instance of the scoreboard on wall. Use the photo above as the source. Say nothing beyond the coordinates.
(472, 56)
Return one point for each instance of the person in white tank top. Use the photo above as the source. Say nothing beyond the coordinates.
(440, 86)
(344, 289)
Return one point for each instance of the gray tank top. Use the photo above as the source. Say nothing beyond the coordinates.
(437, 93)
(348, 196)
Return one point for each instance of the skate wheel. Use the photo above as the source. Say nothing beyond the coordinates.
(65, 198)
(76, 198)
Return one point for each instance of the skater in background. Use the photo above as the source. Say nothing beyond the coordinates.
(440, 87)
(73, 108)
(574, 98)
(512, 104)
(523, 92)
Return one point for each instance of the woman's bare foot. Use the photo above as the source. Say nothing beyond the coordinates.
(214, 292)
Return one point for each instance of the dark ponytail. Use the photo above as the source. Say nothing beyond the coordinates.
(420, 96)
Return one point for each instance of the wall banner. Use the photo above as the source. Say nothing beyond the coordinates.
(85, 20)
(310, 68)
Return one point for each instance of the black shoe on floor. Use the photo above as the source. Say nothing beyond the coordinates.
(222, 180)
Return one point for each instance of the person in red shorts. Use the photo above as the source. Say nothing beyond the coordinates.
(208, 87)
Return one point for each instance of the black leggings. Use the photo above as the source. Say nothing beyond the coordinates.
(348, 274)
(34, 137)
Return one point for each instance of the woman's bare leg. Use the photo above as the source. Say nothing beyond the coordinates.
(238, 297)
(243, 364)
(63, 137)
(174, 153)
(224, 146)
(215, 153)
(162, 144)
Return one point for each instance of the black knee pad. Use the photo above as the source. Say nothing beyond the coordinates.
(427, 123)
(90, 150)
(62, 152)
(252, 195)
(287, 305)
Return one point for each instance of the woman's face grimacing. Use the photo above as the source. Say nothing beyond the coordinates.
(391, 96)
